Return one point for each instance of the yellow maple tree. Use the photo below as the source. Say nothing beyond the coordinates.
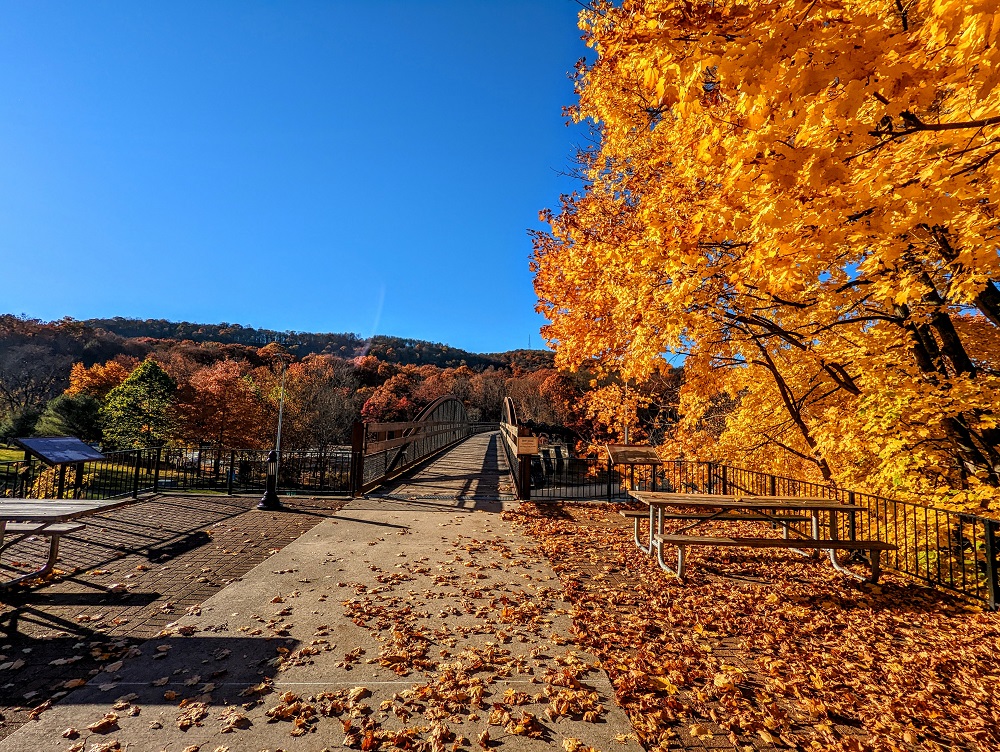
(800, 197)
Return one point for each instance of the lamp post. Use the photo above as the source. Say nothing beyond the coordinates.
(270, 501)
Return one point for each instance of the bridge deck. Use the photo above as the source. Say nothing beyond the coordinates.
(476, 469)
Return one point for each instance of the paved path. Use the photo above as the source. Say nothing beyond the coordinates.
(420, 626)
(422, 623)
(123, 578)
(475, 470)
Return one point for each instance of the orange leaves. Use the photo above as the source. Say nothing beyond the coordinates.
(774, 649)
(789, 219)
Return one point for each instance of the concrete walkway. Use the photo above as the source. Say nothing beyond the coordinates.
(425, 624)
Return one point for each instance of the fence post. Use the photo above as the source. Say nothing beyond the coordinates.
(610, 470)
(852, 518)
(773, 486)
(62, 482)
(78, 480)
(156, 469)
(357, 470)
(135, 478)
(992, 563)
(725, 479)
(711, 471)
(231, 472)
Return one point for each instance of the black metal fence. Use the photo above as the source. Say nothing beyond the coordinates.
(130, 473)
(951, 550)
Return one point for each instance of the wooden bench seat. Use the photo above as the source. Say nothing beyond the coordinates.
(640, 514)
(875, 548)
(39, 528)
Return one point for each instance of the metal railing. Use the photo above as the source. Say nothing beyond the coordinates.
(382, 451)
(951, 550)
(137, 471)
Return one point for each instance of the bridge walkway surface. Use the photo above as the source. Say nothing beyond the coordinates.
(416, 618)
(475, 470)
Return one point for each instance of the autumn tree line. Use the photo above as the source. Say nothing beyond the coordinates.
(800, 200)
(74, 378)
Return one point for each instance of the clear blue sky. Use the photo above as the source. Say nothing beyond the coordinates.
(319, 166)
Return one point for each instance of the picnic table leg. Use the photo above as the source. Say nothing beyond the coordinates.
(646, 548)
(835, 535)
(876, 560)
(679, 572)
(45, 568)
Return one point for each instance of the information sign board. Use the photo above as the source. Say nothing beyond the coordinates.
(631, 454)
(527, 445)
(60, 450)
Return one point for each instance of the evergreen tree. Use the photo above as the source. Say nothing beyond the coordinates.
(72, 415)
(138, 412)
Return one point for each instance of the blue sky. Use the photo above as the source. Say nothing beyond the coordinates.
(318, 166)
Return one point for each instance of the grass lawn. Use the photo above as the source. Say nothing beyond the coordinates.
(11, 455)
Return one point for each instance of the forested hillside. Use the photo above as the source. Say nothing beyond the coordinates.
(125, 383)
(300, 344)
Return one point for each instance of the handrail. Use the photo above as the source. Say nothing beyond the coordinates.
(520, 464)
(383, 450)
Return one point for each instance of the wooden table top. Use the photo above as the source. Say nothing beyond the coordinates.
(53, 510)
(730, 501)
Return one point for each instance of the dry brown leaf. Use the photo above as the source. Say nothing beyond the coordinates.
(107, 723)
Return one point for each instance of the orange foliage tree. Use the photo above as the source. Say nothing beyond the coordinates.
(801, 198)
(100, 378)
(222, 405)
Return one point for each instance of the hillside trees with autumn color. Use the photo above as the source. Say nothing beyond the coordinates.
(801, 198)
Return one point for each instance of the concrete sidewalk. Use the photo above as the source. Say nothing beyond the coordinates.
(416, 624)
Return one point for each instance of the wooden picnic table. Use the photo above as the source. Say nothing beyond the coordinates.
(778, 510)
(51, 518)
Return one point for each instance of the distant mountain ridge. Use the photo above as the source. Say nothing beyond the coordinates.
(345, 345)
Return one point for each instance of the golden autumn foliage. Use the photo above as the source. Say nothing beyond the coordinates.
(100, 378)
(801, 197)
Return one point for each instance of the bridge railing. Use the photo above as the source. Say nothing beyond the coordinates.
(379, 451)
(382, 451)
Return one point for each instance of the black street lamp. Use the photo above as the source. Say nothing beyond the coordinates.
(270, 501)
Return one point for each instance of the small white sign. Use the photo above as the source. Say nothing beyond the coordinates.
(527, 445)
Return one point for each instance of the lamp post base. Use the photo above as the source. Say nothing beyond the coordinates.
(270, 502)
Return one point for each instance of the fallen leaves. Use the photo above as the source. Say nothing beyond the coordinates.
(816, 654)
(105, 724)
(192, 714)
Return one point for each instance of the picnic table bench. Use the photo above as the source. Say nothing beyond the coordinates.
(49, 518)
(778, 510)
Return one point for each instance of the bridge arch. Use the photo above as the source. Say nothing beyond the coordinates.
(383, 450)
